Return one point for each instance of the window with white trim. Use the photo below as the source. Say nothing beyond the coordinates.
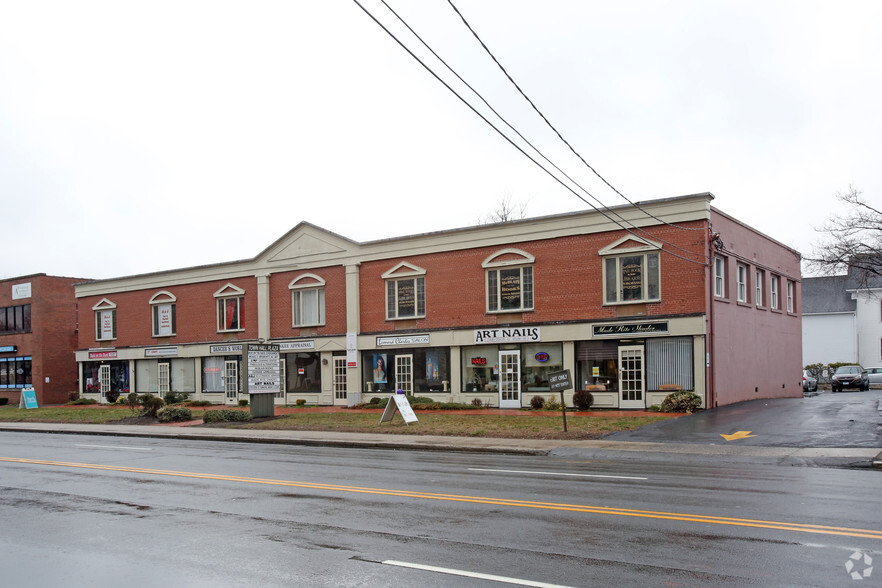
(631, 272)
(105, 320)
(760, 286)
(405, 292)
(509, 281)
(720, 277)
(774, 287)
(307, 300)
(165, 320)
(741, 283)
(791, 296)
(230, 299)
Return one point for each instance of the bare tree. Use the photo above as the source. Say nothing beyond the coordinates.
(506, 210)
(853, 242)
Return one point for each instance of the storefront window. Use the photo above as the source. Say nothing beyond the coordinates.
(597, 365)
(15, 372)
(213, 372)
(303, 372)
(119, 376)
(480, 368)
(414, 370)
(669, 364)
(538, 360)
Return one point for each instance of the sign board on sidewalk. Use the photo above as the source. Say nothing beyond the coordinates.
(28, 398)
(399, 403)
(262, 364)
(559, 380)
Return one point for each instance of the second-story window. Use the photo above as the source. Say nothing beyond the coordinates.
(774, 285)
(164, 314)
(509, 275)
(760, 286)
(405, 292)
(307, 300)
(741, 283)
(230, 300)
(719, 277)
(631, 272)
(105, 320)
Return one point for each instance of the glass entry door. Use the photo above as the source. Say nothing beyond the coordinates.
(404, 373)
(231, 381)
(340, 373)
(631, 377)
(509, 379)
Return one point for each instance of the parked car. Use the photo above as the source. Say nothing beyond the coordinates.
(809, 383)
(875, 375)
(850, 376)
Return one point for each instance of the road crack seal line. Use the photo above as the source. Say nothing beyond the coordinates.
(673, 516)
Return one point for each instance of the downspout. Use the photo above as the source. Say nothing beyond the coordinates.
(710, 356)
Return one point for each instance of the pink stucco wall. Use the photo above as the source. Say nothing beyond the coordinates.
(756, 350)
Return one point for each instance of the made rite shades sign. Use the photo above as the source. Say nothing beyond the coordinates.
(630, 329)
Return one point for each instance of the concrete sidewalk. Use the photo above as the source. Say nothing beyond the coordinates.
(590, 449)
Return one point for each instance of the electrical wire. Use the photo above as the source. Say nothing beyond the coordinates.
(552, 127)
(504, 136)
(536, 149)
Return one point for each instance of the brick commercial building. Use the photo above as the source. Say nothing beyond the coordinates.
(38, 324)
(634, 301)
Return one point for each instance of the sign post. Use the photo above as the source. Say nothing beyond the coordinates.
(561, 381)
(262, 377)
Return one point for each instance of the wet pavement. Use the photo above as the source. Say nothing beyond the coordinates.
(834, 430)
(842, 420)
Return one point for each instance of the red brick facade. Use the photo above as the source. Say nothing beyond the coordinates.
(52, 338)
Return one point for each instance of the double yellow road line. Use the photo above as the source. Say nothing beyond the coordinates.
(623, 512)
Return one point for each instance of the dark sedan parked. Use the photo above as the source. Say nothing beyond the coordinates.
(850, 376)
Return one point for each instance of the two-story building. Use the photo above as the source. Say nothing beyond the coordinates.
(635, 301)
(38, 337)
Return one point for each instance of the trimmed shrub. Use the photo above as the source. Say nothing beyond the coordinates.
(583, 399)
(4, 401)
(300, 402)
(174, 414)
(199, 403)
(681, 401)
(225, 415)
(84, 401)
(552, 403)
(537, 402)
(150, 404)
(243, 402)
(375, 400)
(111, 396)
(175, 397)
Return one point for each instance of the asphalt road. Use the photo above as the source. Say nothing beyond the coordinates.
(845, 419)
(96, 511)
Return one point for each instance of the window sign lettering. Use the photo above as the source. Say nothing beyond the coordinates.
(164, 320)
(632, 278)
(510, 284)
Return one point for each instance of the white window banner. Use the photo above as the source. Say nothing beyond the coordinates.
(107, 324)
(165, 319)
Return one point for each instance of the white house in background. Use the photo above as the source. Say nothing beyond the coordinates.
(840, 322)
(829, 330)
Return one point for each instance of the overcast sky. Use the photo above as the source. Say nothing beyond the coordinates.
(143, 136)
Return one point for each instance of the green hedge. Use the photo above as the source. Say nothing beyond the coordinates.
(225, 415)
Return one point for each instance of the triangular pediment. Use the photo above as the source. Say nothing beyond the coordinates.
(630, 244)
(304, 243)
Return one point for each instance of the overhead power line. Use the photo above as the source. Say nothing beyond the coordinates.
(507, 138)
(527, 141)
(551, 126)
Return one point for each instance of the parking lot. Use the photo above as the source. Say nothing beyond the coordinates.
(844, 419)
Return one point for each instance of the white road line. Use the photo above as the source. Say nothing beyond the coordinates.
(559, 474)
(114, 447)
(467, 574)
